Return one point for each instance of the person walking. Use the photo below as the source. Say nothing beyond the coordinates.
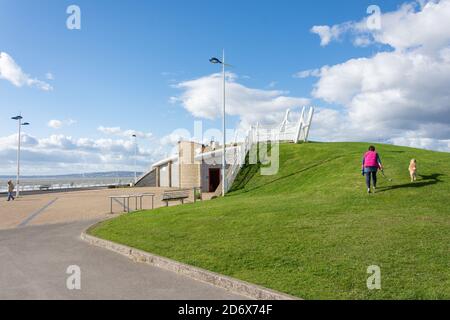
(10, 190)
(371, 163)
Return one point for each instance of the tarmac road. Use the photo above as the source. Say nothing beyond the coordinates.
(34, 260)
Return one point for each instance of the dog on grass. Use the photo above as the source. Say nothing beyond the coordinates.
(413, 170)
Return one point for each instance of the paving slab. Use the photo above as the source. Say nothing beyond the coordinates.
(62, 207)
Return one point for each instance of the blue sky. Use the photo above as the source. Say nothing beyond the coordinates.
(122, 67)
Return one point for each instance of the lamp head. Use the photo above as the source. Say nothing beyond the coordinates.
(26, 124)
(215, 61)
(17, 118)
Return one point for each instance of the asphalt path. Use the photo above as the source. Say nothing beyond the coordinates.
(34, 261)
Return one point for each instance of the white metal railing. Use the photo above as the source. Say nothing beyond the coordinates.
(286, 131)
(52, 185)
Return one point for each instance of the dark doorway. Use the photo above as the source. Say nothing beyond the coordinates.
(214, 179)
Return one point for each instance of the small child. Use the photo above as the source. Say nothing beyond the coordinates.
(413, 170)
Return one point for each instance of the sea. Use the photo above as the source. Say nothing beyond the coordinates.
(76, 181)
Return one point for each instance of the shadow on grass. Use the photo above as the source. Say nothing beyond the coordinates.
(426, 180)
(289, 175)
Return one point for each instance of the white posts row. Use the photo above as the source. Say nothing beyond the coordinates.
(304, 126)
(284, 132)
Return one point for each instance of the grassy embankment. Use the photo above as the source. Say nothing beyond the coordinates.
(312, 230)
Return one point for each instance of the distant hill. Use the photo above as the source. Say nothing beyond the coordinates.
(92, 175)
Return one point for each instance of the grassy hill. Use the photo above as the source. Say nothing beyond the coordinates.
(312, 230)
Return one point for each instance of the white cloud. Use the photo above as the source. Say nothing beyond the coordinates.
(272, 84)
(202, 97)
(55, 124)
(109, 130)
(58, 124)
(58, 154)
(307, 73)
(328, 34)
(401, 95)
(411, 140)
(117, 131)
(422, 23)
(49, 76)
(11, 71)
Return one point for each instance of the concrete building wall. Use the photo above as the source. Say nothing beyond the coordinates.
(190, 176)
(190, 170)
(164, 176)
(175, 174)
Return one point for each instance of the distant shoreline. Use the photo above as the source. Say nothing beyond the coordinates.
(38, 192)
(87, 175)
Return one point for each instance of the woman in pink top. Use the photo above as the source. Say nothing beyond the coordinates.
(371, 163)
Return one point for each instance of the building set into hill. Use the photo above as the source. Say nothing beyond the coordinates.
(196, 165)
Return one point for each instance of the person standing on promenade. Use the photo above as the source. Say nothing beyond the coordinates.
(10, 190)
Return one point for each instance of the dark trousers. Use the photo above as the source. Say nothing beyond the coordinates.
(373, 176)
(10, 196)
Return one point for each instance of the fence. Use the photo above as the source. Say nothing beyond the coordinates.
(286, 131)
(60, 184)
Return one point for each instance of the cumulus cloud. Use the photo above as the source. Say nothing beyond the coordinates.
(58, 124)
(420, 23)
(328, 34)
(12, 72)
(202, 97)
(58, 154)
(307, 73)
(400, 95)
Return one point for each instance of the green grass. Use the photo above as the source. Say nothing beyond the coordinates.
(311, 230)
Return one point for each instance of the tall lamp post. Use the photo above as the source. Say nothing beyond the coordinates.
(19, 139)
(217, 61)
(135, 157)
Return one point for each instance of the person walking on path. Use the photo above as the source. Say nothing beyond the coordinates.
(371, 163)
(10, 190)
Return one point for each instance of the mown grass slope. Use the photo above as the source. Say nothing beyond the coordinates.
(312, 230)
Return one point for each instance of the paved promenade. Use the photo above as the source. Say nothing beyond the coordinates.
(41, 239)
(61, 207)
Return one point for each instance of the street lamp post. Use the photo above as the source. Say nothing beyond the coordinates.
(135, 157)
(217, 61)
(19, 139)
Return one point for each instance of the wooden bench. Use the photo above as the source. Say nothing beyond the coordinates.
(175, 195)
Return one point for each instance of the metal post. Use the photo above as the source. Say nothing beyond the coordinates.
(311, 114)
(223, 128)
(300, 126)
(135, 159)
(18, 159)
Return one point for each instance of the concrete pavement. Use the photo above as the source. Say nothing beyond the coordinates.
(34, 260)
(40, 239)
(62, 207)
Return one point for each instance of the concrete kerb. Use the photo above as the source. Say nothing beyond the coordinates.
(230, 284)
